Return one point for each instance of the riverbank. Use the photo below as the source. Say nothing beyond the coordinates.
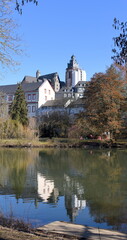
(61, 231)
(12, 234)
(62, 143)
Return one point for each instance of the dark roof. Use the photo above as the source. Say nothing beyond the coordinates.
(65, 89)
(29, 79)
(55, 103)
(10, 89)
(49, 76)
(31, 86)
(77, 103)
(80, 82)
(62, 84)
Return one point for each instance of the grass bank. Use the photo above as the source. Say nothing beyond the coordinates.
(62, 143)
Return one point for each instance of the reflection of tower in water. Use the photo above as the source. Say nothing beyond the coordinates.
(73, 198)
(73, 205)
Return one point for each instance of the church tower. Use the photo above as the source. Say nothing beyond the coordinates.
(73, 73)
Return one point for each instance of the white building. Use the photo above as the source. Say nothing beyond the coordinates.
(73, 73)
(45, 187)
(36, 94)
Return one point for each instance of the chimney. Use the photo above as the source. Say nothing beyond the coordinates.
(38, 74)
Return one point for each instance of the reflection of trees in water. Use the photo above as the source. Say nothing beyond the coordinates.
(101, 173)
(13, 169)
(97, 176)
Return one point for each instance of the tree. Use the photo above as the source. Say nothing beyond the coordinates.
(120, 42)
(20, 3)
(18, 109)
(54, 125)
(103, 100)
(9, 42)
(3, 107)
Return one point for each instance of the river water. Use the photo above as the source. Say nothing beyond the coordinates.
(87, 187)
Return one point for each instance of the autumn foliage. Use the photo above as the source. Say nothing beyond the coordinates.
(104, 97)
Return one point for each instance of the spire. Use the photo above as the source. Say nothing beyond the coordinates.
(73, 63)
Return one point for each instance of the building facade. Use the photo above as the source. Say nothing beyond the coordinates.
(36, 94)
(41, 90)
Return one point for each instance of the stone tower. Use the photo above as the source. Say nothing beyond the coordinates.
(73, 73)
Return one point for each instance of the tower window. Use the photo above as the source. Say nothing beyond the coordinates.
(70, 74)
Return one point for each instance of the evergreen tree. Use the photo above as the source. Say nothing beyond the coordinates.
(18, 109)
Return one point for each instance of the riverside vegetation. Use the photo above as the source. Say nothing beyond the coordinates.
(104, 112)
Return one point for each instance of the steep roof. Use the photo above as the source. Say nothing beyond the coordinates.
(65, 89)
(49, 76)
(62, 84)
(80, 83)
(10, 89)
(29, 79)
(31, 86)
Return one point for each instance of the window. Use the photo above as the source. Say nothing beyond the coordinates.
(33, 96)
(80, 90)
(45, 90)
(29, 109)
(49, 92)
(33, 108)
(70, 74)
(29, 96)
(10, 97)
(65, 95)
(45, 98)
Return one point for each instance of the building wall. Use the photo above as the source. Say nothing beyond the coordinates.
(77, 75)
(46, 93)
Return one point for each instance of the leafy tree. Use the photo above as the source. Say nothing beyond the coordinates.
(120, 42)
(54, 125)
(18, 109)
(103, 101)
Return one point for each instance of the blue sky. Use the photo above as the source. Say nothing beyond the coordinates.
(56, 29)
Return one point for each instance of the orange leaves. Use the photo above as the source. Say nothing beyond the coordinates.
(104, 97)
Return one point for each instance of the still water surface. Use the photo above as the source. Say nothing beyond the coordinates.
(82, 186)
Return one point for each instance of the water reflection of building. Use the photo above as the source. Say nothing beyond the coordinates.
(42, 183)
(28, 185)
(45, 187)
